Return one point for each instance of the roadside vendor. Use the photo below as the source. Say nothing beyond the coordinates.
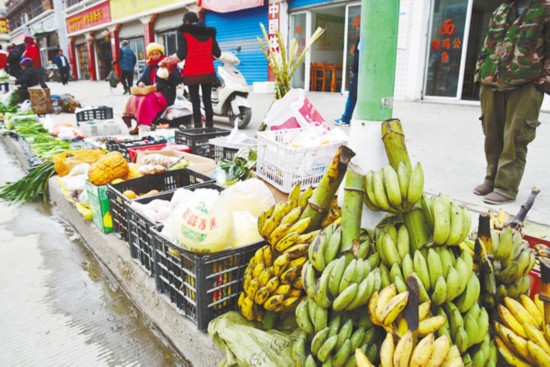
(29, 77)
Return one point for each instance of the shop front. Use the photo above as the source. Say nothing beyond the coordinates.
(326, 67)
(104, 54)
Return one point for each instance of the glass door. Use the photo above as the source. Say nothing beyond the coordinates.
(353, 29)
(447, 48)
(299, 32)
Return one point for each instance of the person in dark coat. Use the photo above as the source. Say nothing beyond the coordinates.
(63, 66)
(197, 45)
(29, 77)
(352, 96)
(14, 57)
(166, 86)
(127, 61)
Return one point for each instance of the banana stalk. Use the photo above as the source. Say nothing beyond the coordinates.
(517, 222)
(319, 202)
(411, 309)
(394, 143)
(352, 207)
(484, 235)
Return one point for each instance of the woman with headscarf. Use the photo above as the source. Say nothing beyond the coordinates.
(197, 45)
(29, 77)
(146, 109)
(32, 52)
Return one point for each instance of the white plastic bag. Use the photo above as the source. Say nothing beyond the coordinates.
(200, 224)
(246, 229)
(251, 195)
(25, 106)
(294, 111)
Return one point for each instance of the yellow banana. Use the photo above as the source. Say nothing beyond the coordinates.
(403, 350)
(304, 197)
(252, 288)
(537, 336)
(373, 302)
(431, 325)
(391, 184)
(267, 256)
(384, 298)
(521, 314)
(247, 310)
(509, 356)
(297, 250)
(295, 292)
(539, 303)
(274, 302)
(263, 217)
(541, 357)
(278, 233)
(272, 222)
(424, 310)
(289, 275)
(283, 289)
(441, 347)
(290, 303)
(533, 310)
(261, 295)
(294, 196)
(272, 284)
(387, 351)
(285, 242)
(281, 263)
(258, 270)
(300, 226)
(394, 308)
(264, 276)
(361, 359)
(423, 351)
(516, 344)
(510, 320)
(258, 257)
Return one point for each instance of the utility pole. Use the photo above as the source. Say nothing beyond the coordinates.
(377, 60)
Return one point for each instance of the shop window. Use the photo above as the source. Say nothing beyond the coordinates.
(168, 40)
(82, 53)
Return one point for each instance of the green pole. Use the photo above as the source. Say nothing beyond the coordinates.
(377, 53)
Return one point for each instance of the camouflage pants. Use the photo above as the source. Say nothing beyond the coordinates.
(509, 120)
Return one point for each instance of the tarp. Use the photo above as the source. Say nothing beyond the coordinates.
(227, 6)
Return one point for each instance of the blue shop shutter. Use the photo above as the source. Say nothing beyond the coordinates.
(240, 28)
(294, 4)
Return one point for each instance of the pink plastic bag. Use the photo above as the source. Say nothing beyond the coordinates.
(294, 111)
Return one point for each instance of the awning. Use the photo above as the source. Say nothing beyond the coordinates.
(229, 5)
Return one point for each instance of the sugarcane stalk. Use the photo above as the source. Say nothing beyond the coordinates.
(394, 143)
(319, 203)
(352, 207)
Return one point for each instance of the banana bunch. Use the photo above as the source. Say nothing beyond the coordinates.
(464, 330)
(522, 338)
(499, 220)
(393, 244)
(513, 255)
(385, 309)
(394, 191)
(442, 277)
(272, 280)
(417, 227)
(283, 219)
(335, 344)
(449, 222)
(429, 351)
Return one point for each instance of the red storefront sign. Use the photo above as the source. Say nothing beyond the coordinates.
(89, 18)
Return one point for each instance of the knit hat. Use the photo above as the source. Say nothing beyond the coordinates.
(154, 47)
(28, 39)
(190, 17)
(26, 61)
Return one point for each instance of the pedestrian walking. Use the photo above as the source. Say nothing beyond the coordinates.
(513, 70)
(14, 57)
(352, 96)
(32, 52)
(127, 61)
(197, 45)
(62, 64)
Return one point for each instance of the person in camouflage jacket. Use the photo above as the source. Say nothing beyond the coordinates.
(513, 70)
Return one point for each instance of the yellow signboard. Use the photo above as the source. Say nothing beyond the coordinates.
(124, 8)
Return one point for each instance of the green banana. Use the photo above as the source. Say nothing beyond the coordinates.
(453, 284)
(447, 259)
(336, 276)
(439, 294)
(403, 241)
(335, 324)
(426, 205)
(325, 350)
(321, 289)
(342, 354)
(407, 266)
(319, 339)
(472, 330)
(391, 184)
(442, 221)
(435, 266)
(357, 337)
(404, 177)
(463, 273)
(461, 340)
(345, 297)
(417, 228)
(317, 252)
(348, 276)
(345, 333)
(308, 279)
(456, 226)
(470, 295)
(416, 185)
(364, 291)
(333, 245)
(302, 317)
(421, 268)
(380, 193)
(320, 320)
(505, 244)
(390, 250)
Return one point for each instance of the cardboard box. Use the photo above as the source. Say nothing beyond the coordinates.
(99, 204)
(198, 163)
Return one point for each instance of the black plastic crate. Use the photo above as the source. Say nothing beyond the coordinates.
(98, 113)
(139, 227)
(169, 180)
(221, 149)
(122, 147)
(201, 286)
(198, 139)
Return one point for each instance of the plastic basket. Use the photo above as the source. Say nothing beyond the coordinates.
(139, 228)
(144, 144)
(220, 148)
(198, 139)
(169, 180)
(536, 284)
(284, 166)
(201, 286)
(132, 152)
(97, 113)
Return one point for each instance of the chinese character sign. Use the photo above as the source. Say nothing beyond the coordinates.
(446, 40)
(3, 25)
(89, 18)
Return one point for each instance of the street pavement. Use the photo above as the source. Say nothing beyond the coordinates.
(445, 137)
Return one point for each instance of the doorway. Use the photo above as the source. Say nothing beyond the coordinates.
(105, 57)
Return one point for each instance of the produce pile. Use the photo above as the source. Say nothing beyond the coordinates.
(414, 291)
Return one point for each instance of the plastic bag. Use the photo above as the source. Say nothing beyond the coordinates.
(25, 106)
(246, 229)
(251, 195)
(246, 345)
(200, 224)
(293, 111)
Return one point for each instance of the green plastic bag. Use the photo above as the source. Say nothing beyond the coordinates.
(246, 345)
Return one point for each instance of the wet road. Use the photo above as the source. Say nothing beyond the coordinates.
(58, 305)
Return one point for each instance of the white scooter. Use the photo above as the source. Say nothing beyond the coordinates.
(229, 98)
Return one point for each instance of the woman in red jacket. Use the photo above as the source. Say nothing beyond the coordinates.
(32, 52)
(198, 47)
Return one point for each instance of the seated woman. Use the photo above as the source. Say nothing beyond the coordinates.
(29, 77)
(146, 109)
